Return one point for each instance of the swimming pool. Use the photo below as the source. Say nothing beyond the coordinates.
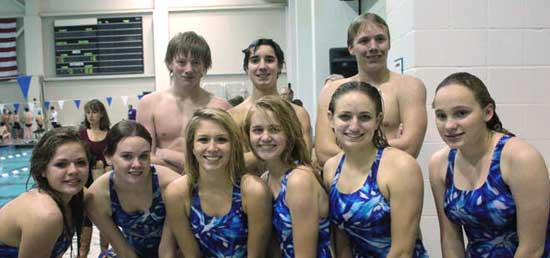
(14, 170)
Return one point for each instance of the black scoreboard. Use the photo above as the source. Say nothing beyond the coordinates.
(98, 46)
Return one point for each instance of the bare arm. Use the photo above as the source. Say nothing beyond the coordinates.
(452, 242)
(39, 232)
(412, 111)
(98, 208)
(525, 172)
(305, 122)
(257, 203)
(325, 141)
(177, 207)
(406, 198)
(168, 246)
(301, 197)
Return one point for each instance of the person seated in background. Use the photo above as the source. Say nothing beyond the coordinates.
(165, 113)
(5, 135)
(404, 96)
(42, 221)
(28, 119)
(263, 62)
(486, 182)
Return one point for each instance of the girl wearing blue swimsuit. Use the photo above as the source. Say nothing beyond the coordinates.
(42, 221)
(300, 209)
(215, 210)
(486, 182)
(369, 221)
(127, 204)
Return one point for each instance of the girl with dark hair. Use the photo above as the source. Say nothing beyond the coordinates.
(376, 191)
(127, 204)
(215, 210)
(42, 221)
(486, 182)
(96, 121)
(300, 210)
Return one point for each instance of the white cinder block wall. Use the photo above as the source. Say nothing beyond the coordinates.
(504, 42)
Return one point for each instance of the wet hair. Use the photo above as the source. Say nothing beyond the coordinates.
(379, 140)
(124, 129)
(362, 20)
(42, 155)
(236, 166)
(95, 105)
(481, 95)
(251, 49)
(296, 151)
(188, 43)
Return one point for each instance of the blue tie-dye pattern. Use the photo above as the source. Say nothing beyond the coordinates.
(282, 222)
(224, 236)
(365, 216)
(488, 214)
(142, 230)
(61, 245)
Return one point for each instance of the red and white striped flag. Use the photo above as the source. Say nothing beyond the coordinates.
(8, 56)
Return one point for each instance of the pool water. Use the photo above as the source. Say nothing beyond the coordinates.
(14, 171)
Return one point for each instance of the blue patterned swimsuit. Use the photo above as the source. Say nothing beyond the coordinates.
(282, 222)
(488, 213)
(61, 245)
(224, 236)
(142, 230)
(365, 216)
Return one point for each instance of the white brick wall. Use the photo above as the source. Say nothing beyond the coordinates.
(504, 42)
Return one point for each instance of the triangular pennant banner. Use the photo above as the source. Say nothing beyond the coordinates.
(109, 100)
(124, 100)
(15, 107)
(61, 103)
(77, 103)
(46, 105)
(140, 96)
(1, 107)
(24, 82)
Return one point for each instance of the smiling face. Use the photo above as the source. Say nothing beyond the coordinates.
(370, 46)
(211, 146)
(131, 159)
(67, 171)
(267, 137)
(263, 68)
(354, 120)
(460, 120)
(187, 70)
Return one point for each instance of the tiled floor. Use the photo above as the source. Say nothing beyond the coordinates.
(94, 248)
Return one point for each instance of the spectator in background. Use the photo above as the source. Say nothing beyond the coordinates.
(97, 124)
(5, 136)
(39, 121)
(27, 131)
(15, 125)
(53, 117)
(131, 113)
(287, 93)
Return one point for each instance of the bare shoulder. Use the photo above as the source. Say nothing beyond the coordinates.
(329, 169)
(165, 175)
(518, 153)
(39, 206)
(179, 187)
(238, 113)
(330, 88)
(218, 102)
(438, 162)
(301, 112)
(252, 185)
(398, 161)
(152, 97)
(300, 177)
